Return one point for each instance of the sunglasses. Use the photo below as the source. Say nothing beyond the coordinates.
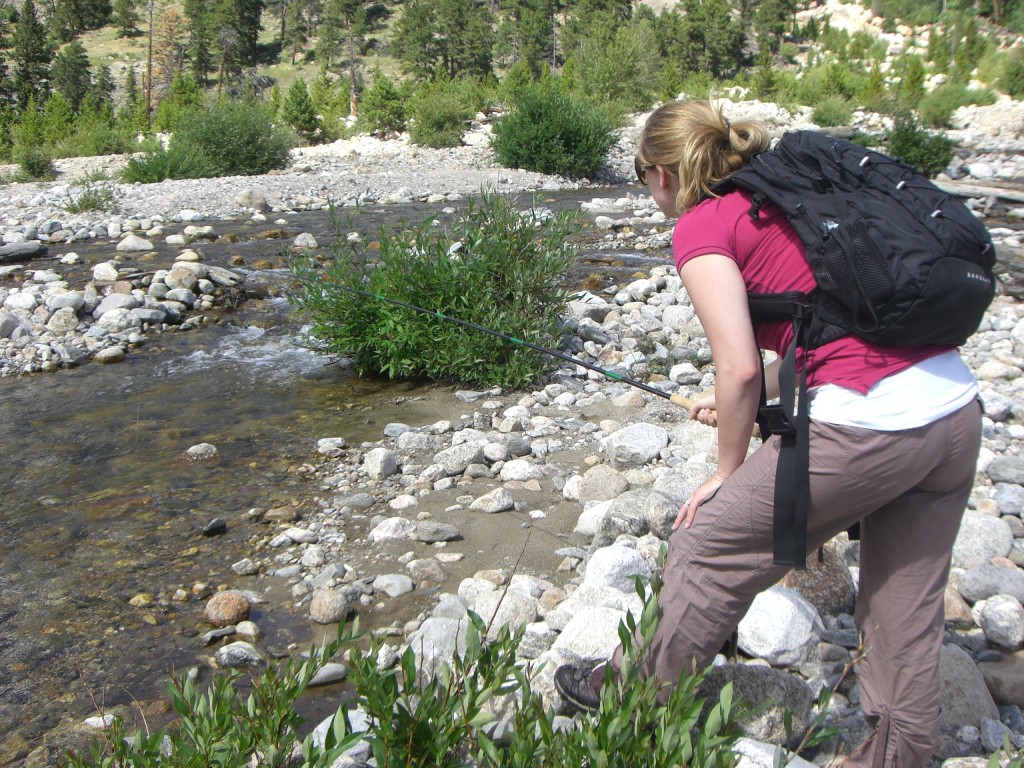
(642, 169)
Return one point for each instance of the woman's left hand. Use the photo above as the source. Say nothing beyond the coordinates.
(688, 511)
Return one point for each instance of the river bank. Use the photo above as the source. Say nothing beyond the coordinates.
(413, 519)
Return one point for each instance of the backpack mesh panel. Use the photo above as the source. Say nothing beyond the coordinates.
(854, 270)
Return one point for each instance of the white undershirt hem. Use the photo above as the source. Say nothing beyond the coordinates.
(919, 395)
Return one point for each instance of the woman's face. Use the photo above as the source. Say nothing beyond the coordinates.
(663, 186)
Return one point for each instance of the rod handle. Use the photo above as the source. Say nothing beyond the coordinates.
(682, 401)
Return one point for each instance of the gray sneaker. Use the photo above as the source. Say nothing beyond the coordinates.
(573, 685)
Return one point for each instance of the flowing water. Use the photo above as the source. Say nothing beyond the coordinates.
(99, 505)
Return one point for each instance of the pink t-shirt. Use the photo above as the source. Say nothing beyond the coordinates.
(771, 259)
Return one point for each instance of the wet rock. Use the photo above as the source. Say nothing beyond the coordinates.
(330, 606)
(331, 672)
(239, 654)
(226, 608)
(202, 452)
(215, 527)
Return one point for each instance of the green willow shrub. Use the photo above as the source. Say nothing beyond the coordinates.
(440, 114)
(494, 266)
(175, 161)
(441, 716)
(833, 111)
(936, 108)
(224, 138)
(220, 727)
(928, 153)
(238, 137)
(549, 131)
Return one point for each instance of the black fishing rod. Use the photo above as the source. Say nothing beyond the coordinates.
(678, 399)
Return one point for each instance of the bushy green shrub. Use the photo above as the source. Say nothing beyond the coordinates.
(552, 132)
(176, 161)
(220, 727)
(936, 108)
(34, 162)
(494, 266)
(238, 137)
(1012, 80)
(382, 107)
(442, 716)
(225, 138)
(30, 149)
(831, 78)
(928, 153)
(439, 119)
(89, 197)
(96, 132)
(833, 111)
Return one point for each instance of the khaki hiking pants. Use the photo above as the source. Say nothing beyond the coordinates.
(908, 489)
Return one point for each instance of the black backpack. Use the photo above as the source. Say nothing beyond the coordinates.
(898, 262)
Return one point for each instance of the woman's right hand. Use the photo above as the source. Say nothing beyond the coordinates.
(704, 411)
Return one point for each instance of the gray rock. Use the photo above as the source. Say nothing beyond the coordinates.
(410, 442)
(965, 697)
(393, 529)
(427, 570)
(380, 463)
(998, 407)
(431, 531)
(494, 501)
(201, 452)
(330, 606)
(520, 470)
(591, 635)
(981, 538)
(458, 457)
(994, 734)
(602, 483)
(985, 580)
(759, 754)
(16, 252)
(781, 627)
(1001, 618)
(504, 608)
(8, 323)
(393, 584)
(133, 242)
(331, 672)
(62, 321)
(1010, 498)
(436, 642)
(113, 302)
(252, 198)
(635, 445)
(616, 566)
(304, 241)
(1007, 469)
(773, 691)
(238, 654)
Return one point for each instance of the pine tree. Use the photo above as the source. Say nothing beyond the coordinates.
(70, 73)
(31, 54)
(457, 34)
(126, 18)
(298, 111)
(100, 95)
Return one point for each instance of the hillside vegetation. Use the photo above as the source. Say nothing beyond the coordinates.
(87, 77)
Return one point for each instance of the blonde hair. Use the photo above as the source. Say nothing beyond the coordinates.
(697, 144)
